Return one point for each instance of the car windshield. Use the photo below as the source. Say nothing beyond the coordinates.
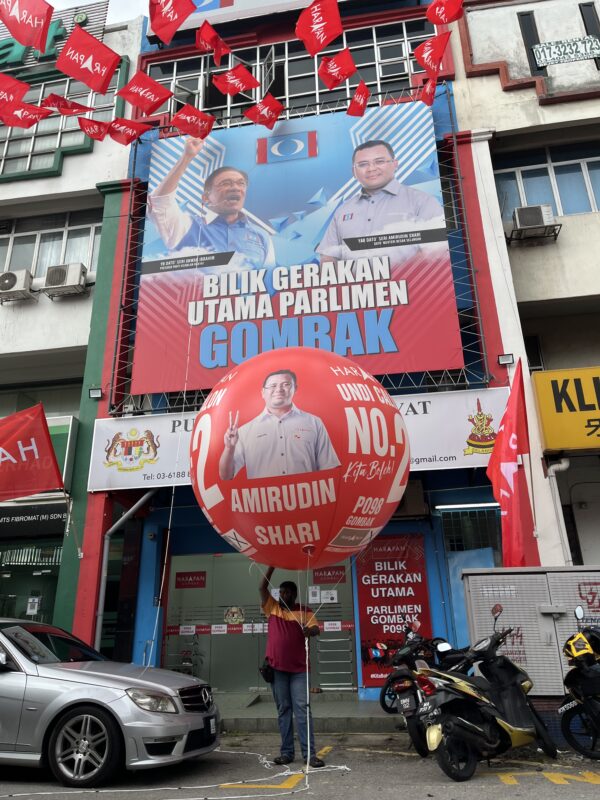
(45, 644)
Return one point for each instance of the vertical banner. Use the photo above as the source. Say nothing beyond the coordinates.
(328, 233)
(392, 593)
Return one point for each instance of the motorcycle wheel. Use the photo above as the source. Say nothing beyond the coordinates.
(388, 699)
(416, 731)
(456, 758)
(580, 732)
(543, 737)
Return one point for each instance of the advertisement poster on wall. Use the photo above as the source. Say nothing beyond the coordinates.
(392, 593)
(328, 233)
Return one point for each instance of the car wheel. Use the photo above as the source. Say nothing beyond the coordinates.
(85, 747)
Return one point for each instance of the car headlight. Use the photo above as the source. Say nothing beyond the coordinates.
(153, 701)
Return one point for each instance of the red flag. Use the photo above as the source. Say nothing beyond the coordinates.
(426, 94)
(358, 104)
(509, 482)
(429, 54)
(266, 112)
(27, 21)
(145, 93)
(208, 39)
(94, 128)
(64, 106)
(27, 460)
(167, 16)
(318, 25)
(336, 70)
(87, 60)
(23, 115)
(442, 12)
(11, 90)
(235, 80)
(189, 120)
(125, 131)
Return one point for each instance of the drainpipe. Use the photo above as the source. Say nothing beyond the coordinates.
(104, 574)
(560, 466)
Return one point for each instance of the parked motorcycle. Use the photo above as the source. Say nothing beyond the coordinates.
(470, 717)
(401, 692)
(580, 711)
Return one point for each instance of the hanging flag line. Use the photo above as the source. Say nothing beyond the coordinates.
(84, 58)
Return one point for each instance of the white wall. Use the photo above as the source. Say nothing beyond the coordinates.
(580, 488)
(496, 36)
(563, 269)
(548, 523)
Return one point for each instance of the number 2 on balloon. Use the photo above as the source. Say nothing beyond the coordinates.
(211, 495)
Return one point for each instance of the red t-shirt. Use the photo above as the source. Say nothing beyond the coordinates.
(285, 640)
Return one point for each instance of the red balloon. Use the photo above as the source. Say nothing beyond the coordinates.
(299, 458)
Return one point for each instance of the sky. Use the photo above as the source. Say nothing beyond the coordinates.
(118, 10)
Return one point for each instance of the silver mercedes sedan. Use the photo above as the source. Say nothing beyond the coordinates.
(65, 705)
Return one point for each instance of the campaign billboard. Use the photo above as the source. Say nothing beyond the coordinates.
(327, 233)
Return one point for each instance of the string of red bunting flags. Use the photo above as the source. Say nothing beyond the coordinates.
(88, 60)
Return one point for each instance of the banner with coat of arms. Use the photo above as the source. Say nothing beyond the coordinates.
(447, 430)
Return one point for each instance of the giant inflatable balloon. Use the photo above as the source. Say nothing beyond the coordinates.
(299, 458)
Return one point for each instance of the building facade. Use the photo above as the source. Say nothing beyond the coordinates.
(172, 591)
(56, 252)
(534, 106)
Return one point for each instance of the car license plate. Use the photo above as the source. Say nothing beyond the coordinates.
(426, 705)
(407, 703)
(213, 725)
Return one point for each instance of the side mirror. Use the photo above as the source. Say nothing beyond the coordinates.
(444, 647)
(497, 610)
(3, 660)
(579, 612)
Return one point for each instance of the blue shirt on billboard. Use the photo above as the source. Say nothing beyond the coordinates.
(180, 230)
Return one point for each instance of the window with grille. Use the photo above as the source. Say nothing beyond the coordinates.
(473, 529)
(567, 177)
(36, 243)
(383, 55)
(34, 149)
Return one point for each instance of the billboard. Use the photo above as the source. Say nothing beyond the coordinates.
(329, 233)
(392, 595)
(227, 10)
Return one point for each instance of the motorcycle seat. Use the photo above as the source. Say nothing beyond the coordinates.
(475, 680)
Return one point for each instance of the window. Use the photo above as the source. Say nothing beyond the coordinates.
(36, 243)
(566, 177)
(534, 353)
(530, 37)
(590, 23)
(473, 529)
(384, 56)
(34, 149)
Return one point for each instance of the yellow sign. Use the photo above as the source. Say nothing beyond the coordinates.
(568, 403)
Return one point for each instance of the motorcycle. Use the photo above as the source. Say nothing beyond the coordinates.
(471, 717)
(401, 691)
(580, 710)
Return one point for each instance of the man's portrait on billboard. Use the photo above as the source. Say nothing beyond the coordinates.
(281, 440)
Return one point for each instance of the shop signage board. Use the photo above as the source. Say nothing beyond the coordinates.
(25, 521)
(392, 593)
(566, 50)
(446, 430)
(568, 402)
(308, 263)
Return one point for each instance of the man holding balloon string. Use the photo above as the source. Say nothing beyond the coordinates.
(289, 625)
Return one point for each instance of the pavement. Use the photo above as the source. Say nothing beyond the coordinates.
(333, 712)
(358, 767)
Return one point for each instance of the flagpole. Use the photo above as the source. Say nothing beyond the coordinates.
(70, 523)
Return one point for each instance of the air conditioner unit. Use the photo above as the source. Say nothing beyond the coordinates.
(15, 285)
(533, 217)
(65, 279)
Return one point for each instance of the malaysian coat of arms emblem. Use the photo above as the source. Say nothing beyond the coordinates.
(132, 451)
